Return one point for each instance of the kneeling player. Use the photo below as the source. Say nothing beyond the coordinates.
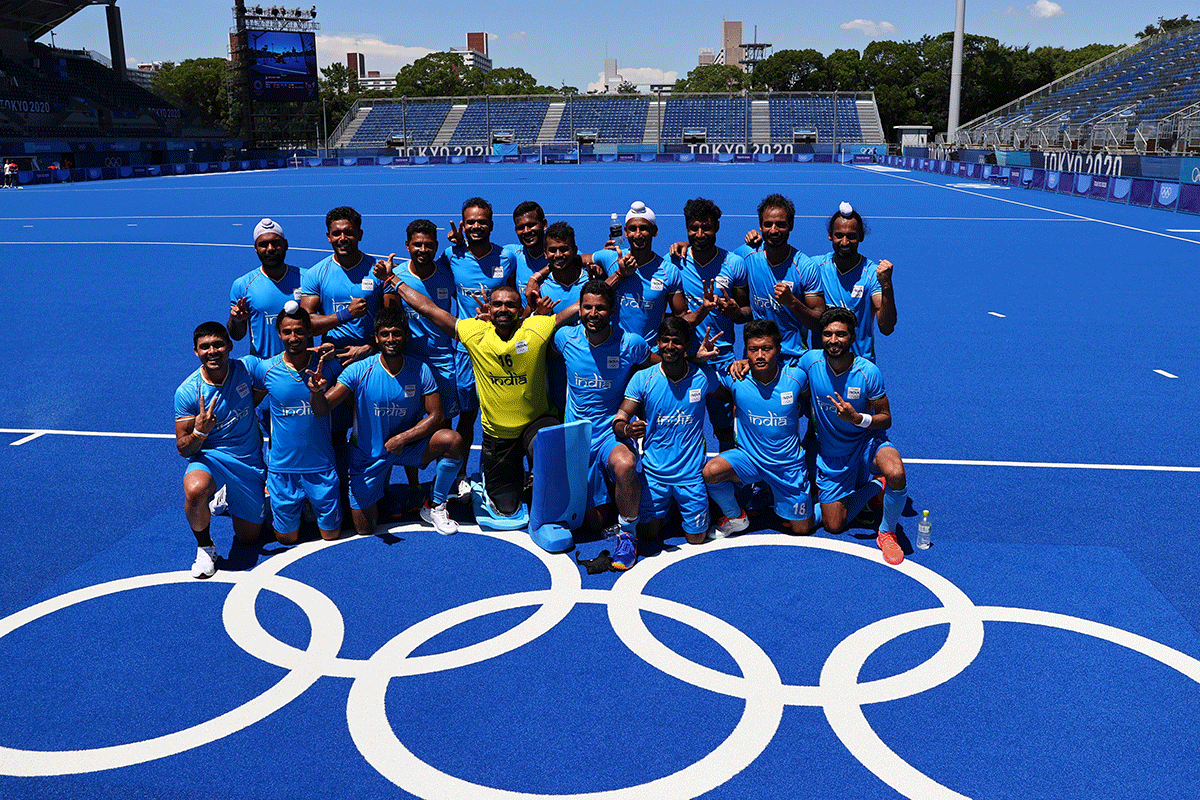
(851, 410)
(769, 411)
(217, 432)
(302, 461)
(397, 419)
(670, 399)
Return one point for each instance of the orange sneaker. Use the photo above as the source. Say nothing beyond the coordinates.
(892, 552)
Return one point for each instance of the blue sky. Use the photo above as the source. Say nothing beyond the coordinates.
(567, 42)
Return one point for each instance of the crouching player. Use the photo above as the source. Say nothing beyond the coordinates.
(851, 410)
(670, 399)
(302, 462)
(599, 359)
(217, 432)
(397, 421)
(769, 403)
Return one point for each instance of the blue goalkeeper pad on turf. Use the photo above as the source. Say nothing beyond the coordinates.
(560, 484)
(488, 518)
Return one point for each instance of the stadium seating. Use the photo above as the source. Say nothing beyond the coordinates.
(1105, 106)
(522, 117)
(616, 120)
(815, 113)
(722, 118)
(420, 120)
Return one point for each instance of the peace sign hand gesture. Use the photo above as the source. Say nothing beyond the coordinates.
(455, 236)
(708, 347)
(206, 418)
(317, 382)
(845, 411)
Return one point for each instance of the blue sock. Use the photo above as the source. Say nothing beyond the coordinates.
(443, 478)
(855, 502)
(893, 506)
(723, 493)
(818, 517)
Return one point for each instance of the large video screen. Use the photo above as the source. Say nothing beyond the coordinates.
(283, 66)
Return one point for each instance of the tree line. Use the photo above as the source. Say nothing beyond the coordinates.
(910, 79)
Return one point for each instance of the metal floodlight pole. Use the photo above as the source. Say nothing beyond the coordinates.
(960, 15)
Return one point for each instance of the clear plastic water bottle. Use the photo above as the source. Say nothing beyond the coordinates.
(924, 529)
(616, 233)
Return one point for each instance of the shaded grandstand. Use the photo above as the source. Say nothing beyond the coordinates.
(49, 93)
(1144, 98)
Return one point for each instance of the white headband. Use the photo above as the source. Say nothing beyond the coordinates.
(267, 225)
(639, 210)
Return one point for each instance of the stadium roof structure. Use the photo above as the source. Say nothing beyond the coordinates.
(36, 18)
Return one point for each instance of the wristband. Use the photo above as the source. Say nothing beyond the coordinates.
(343, 315)
(865, 422)
(198, 434)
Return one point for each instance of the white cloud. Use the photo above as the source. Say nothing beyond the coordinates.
(1044, 9)
(493, 37)
(383, 56)
(872, 29)
(519, 36)
(639, 76)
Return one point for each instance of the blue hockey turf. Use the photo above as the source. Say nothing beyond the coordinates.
(1046, 645)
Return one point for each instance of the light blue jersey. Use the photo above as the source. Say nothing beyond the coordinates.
(744, 250)
(300, 441)
(236, 433)
(428, 342)
(597, 375)
(522, 264)
(385, 404)
(471, 273)
(265, 298)
(855, 290)
(768, 419)
(643, 297)
(565, 296)
(858, 385)
(725, 271)
(761, 277)
(673, 448)
(337, 288)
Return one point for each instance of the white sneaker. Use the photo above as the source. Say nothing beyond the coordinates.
(219, 504)
(205, 565)
(462, 492)
(727, 526)
(439, 519)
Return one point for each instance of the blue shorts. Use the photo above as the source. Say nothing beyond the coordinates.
(464, 376)
(789, 485)
(599, 474)
(447, 385)
(839, 478)
(369, 477)
(288, 492)
(244, 483)
(690, 495)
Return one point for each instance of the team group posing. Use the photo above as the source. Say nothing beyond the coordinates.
(639, 344)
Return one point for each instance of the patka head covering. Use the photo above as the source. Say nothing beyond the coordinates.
(267, 225)
(640, 209)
